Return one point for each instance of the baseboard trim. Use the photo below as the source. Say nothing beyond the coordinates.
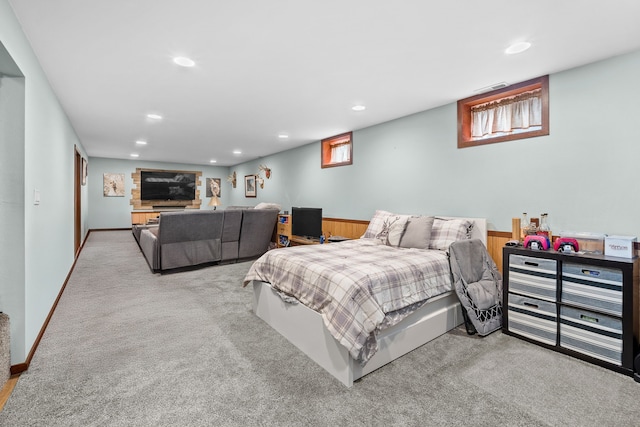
(19, 368)
(22, 367)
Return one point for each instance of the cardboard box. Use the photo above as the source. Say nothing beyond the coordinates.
(620, 246)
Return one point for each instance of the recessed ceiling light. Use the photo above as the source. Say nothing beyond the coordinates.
(154, 116)
(283, 136)
(141, 142)
(213, 161)
(134, 155)
(358, 108)
(184, 61)
(517, 48)
(237, 152)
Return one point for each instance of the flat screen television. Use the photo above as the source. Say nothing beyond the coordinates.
(167, 185)
(306, 222)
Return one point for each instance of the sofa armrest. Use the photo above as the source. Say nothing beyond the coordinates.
(256, 232)
(150, 248)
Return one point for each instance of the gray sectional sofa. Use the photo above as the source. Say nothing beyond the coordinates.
(202, 237)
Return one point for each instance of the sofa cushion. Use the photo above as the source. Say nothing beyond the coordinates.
(231, 225)
(257, 229)
(190, 226)
(231, 234)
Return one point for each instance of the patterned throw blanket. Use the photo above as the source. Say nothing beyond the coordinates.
(358, 286)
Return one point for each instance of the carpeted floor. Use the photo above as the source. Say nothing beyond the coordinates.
(126, 347)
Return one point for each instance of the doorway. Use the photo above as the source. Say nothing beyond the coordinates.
(77, 201)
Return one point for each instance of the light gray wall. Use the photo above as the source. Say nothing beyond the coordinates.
(583, 174)
(115, 212)
(12, 261)
(47, 230)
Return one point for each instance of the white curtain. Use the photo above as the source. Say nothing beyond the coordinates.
(340, 153)
(509, 115)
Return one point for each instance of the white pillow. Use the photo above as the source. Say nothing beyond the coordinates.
(264, 205)
(394, 229)
(376, 224)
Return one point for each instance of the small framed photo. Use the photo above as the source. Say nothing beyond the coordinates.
(84, 171)
(250, 186)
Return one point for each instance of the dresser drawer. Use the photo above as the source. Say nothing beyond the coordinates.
(593, 334)
(592, 287)
(533, 318)
(535, 277)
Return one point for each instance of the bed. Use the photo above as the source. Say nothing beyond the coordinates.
(355, 306)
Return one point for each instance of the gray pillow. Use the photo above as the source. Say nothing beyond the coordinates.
(417, 233)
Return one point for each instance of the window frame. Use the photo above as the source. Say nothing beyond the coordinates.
(325, 149)
(464, 112)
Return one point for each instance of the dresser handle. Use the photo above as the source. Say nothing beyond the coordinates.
(595, 273)
(589, 318)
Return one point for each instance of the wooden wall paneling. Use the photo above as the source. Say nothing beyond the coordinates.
(495, 242)
(350, 228)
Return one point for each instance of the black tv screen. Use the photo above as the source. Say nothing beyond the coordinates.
(167, 185)
(306, 222)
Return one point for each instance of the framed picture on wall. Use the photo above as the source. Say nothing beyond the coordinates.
(214, 187)
(113, 185)
(250, 186)
(84, 171)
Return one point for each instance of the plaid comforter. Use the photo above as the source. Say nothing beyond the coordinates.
(355, 285)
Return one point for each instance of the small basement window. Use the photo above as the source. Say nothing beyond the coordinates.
(337, 150)
(514, 112)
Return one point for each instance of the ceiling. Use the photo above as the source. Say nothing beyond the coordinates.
(293, 66)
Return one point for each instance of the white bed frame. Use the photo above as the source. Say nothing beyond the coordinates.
(304, 327)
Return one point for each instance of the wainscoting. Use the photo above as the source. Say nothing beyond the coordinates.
(495, 243)
(350, 228)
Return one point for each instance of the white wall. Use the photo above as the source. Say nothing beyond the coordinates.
(48, 153)
(583, 174)
(12, 296)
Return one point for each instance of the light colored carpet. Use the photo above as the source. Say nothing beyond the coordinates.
(126, 347)
(5, 350)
